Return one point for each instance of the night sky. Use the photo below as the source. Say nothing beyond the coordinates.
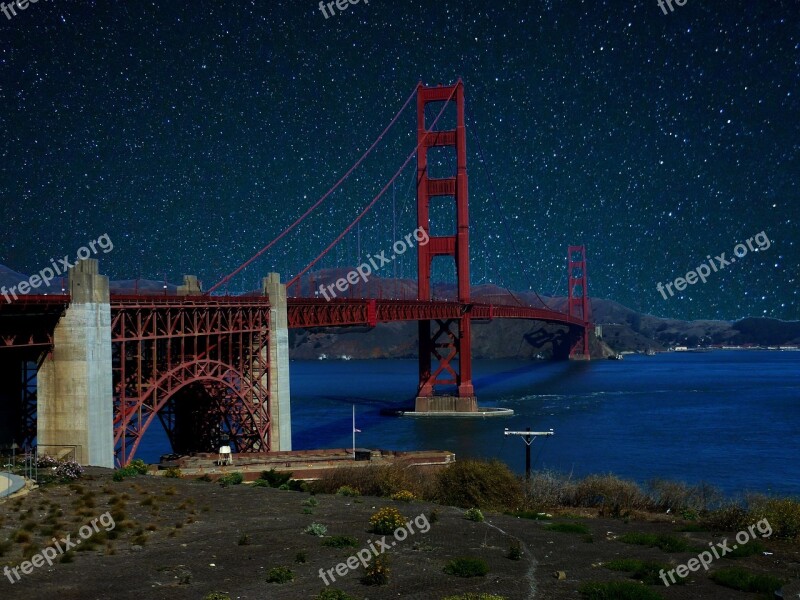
(192, 132)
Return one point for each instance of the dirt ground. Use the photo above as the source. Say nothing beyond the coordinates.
(181, 539)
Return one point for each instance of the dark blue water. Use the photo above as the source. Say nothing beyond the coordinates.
(729, 418)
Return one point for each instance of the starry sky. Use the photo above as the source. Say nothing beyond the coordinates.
(194, 132)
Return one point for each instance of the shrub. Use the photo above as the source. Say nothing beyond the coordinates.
(731, 517)
(346, 490)
(234, 478)
(340, 541)
(617, 590)
(475, 597)
(377, 571)
(644, 571)
(311, 502)
(745, 550)
(610, 493)
(666, 542)
(474, 514)
(280, 575)
(173, 473)
(296, 485)
(386, 520)
(746, 581)
(783, 515)
(470, 483)
(21, 537)
(316, 529)
(333, 594)
(515, 550)
(467, 567)
(216, 596)
(377, 480)
(301, 557)
(52, 469)
(139, 466)
(261, 483)
(403, 496)
(568, 528)
(275, 479)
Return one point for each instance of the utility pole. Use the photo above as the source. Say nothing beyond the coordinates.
(528, 436)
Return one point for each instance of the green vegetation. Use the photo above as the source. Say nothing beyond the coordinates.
(514, 550)
(132, 469)
(641, 570)
(475, 597)
(216, 596)
(173, 473)
(617, 590)
(275, 479)
(348, 491)
(234, 478)
(386, 520)
(340, 541)
(403, 496)
(665, 542)
(568, 528)
(280, 575)
(301, 557)
(332, 594)
(377, 571)
(316, 529)
(737, 578)
(745, 550)
(467, 567)
(474, 514)
(470, 483)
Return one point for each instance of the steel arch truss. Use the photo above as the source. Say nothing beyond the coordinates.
(214, 353)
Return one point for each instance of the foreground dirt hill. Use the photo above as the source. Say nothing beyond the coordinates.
(182, 539)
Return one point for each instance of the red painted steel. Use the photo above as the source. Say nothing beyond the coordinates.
(162, 345)
(313, 312)
(578, 298)
(452, 339)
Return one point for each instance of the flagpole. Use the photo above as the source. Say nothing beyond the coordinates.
(354, 431)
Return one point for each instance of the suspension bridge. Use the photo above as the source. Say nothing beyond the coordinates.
(85, 373)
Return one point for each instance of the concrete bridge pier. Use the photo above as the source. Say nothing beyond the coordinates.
(279, 392)
(75, 389)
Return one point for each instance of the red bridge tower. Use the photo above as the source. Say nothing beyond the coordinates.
(451, 339)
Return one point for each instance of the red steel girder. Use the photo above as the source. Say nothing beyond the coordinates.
(161, 345)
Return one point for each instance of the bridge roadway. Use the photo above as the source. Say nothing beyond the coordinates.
(36, 316)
